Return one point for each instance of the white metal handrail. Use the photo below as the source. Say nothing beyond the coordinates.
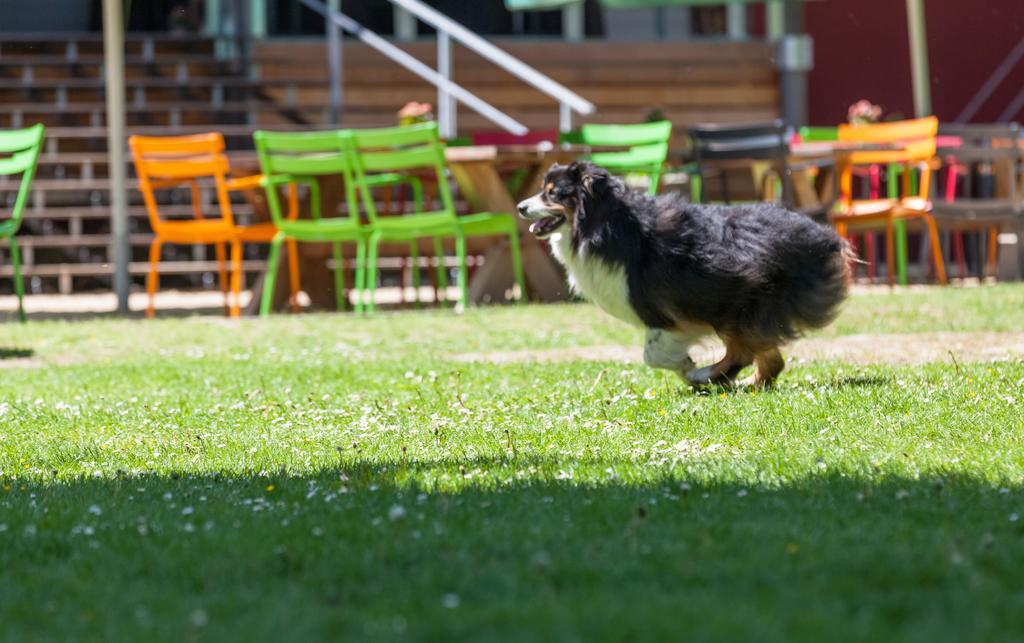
(447, 90)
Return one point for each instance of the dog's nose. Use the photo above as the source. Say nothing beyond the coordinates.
(523, 208)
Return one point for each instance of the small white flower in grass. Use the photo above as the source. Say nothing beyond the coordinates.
(1003, 491)
(902, 493)
(187, 511)
(318, 531)
(198, 618)
(3, 527)
(650, 394)
(397, 512)
(168, 496)
(188, 527)
(1014, 517)
(30, 530)
(451, 600)
(741, 493)
(95, 510)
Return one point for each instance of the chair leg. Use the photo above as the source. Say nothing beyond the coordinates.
(901, 252)
(293, 274)
(360, 276)
(236, 278)
(870, 254)
(414, 258)
(371, 274)
(222, 276)
(517, 264)
(442, 271)
(933, 234)
(993, 251)
(339, 276)
(890, 252)
(273, 261)
(959, 256)
(460, 251)
(19, 283)
(153, 278)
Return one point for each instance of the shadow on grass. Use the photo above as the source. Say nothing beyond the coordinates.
(382, 551)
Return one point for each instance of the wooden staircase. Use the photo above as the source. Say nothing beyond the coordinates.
(174, 85)
(688, 82)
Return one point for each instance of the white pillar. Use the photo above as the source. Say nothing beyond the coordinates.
(736, 20)
(113, 53)
(572, 22)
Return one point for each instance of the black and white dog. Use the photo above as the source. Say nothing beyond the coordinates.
(755, 275)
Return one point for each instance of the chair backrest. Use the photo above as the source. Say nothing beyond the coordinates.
(173, 161)
(646, 147)
(300, 157)
(19, 154)
(729, 144)
(988, 153)
(401, 149)
(915, 148)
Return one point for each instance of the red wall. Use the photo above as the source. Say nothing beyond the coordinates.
(861, 51)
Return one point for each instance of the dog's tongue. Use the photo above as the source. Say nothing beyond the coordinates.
(536, 225)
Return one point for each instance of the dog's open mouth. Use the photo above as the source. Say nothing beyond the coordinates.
(544, 227)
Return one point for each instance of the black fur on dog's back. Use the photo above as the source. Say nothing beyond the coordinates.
(757, 272)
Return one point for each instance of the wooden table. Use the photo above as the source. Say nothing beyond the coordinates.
(476, 169)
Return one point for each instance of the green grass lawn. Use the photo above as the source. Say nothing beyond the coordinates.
(327, 477)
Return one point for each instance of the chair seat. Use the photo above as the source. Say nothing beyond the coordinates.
(412, 226)
(975, 211)
(258, 232)
(196, 231)
(332, 229)
(487, 223)
(883, 208)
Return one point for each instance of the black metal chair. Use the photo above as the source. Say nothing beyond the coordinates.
(721, 149)
(990, 159)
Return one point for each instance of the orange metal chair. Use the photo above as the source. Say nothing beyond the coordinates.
(914, 142)
(164, 162)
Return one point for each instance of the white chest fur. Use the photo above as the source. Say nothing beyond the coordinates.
(595, 280)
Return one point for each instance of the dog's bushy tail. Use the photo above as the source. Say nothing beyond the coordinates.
(827, 285)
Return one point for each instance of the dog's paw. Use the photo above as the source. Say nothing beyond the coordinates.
(699, 376)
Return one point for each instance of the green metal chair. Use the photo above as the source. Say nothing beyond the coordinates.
(647, 143)
(418, 148)
(19, 152)
(298, 158)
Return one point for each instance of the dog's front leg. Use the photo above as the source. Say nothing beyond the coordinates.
(669, 350)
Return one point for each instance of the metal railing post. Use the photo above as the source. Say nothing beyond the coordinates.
(445, 103)
(113, 53)
(564, 117)
(334, 62)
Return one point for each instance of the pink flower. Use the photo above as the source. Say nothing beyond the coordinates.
(863, 112)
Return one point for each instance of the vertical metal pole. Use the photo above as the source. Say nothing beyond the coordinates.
(445, 103)
(736, 20)
(258, 20)
(113, 52)
(572, 22)
(775, 19)
(405, 23)
(919, 58)
(564, 118)
(334, 60)
(795, 57)
(211, 24)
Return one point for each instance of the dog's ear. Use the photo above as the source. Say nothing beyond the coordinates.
(591, 178)
(594, 180)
